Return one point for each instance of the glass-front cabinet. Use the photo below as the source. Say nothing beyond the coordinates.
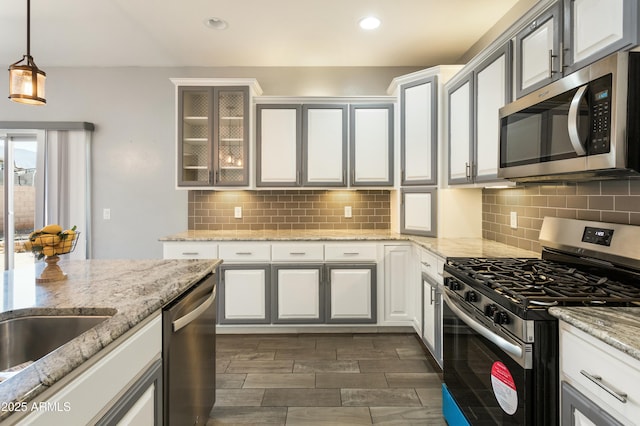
(231, 136)
(194, 136)
(213, 130)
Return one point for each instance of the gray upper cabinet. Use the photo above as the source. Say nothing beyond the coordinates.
(371, 144)
(195, 166)
(419, 132)
(538, 52)
(596, 28)
(213, 124)
(460, 125)
(231, 136)
(324, 145)
(278, 145)
(492, 90)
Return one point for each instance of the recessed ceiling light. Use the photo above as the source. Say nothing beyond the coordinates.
(369, 23)
(216, 23)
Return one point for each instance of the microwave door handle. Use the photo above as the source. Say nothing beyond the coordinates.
(499, 341)
(574, 135)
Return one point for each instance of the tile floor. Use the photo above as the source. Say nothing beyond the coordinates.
(319, 379)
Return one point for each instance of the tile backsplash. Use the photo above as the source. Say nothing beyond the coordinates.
(289, 209)
(606, 201)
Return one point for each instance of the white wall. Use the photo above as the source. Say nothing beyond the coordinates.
(133, 152)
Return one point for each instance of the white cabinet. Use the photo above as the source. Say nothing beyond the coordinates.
(460, 125)
(324, 145)
(371, 141)
(351, 293)
(431, 267)
(419, 132)
(298, 294)
(244, 294)
(596, 28)
(278, 145)
(538, 54)
(419, 209)
(189, 250)
(96, 389)
(492, 91)
(604, 378)
(474, 126)
(398, 284)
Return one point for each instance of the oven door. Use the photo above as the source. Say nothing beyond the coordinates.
(488, 374)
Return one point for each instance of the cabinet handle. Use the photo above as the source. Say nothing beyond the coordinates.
(297, 253)
(427, 264)
(190, 253)
(243, 253)
(351, 253)
(551, 71)
(467, 170)
(432, 294)
(620, 396)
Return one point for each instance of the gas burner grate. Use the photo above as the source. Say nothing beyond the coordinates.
(533, 283)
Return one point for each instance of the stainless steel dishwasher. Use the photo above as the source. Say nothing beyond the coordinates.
(188, 351)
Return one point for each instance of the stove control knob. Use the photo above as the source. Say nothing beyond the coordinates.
(500, 317)
(470, 296)
(455, 285)
(490, 309)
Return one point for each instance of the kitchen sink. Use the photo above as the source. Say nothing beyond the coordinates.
(29, 338)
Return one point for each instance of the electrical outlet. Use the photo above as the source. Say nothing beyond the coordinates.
(347, 211)
(237, 212)
(106, 214)
(514, 220)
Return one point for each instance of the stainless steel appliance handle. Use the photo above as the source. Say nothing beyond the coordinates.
(574, 136)
(499, 341)
(620, 396)
(186, 319)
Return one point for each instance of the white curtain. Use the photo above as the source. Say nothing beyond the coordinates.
(66, 185)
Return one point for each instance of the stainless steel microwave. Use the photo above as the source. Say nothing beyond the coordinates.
(584, 126)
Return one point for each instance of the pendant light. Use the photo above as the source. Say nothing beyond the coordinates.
(26, 81)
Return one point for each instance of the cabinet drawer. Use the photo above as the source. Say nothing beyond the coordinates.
(245, 252)
(297, 252)
(350, 252)
(431, 264)
(617, 371)
(190, 250)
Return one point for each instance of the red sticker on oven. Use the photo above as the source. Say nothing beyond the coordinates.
(504, 388)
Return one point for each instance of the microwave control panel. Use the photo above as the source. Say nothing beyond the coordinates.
(600, 113)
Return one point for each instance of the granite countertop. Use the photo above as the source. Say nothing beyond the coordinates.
(444, 247)
(617, 327)
(130, 290)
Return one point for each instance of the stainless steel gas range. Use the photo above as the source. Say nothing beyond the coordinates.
(500, 343)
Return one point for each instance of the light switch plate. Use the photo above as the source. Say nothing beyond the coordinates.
(347, 211)
(237, 212)
(514, 220)
(106, 214)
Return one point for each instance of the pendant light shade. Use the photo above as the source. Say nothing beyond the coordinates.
(26, 81)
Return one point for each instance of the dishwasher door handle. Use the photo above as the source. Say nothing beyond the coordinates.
(186, 319)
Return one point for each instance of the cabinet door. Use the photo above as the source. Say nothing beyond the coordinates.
(351, 294)
(428, 314)
(538, 52)
(596, 28)
(397, 284)
(278, 145)
(460, 124)
(371, 134)
(324, 145)
(492, 92)
(419, 132)
(297, 294)
(418, 207)
(244, 294)
(231, 136)
(194, 136)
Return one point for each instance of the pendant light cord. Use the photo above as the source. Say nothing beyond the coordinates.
(29, 28)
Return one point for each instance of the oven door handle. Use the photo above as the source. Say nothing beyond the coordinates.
(499, 341)
(574, 134)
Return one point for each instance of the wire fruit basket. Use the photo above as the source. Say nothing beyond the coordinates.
(48, 243)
